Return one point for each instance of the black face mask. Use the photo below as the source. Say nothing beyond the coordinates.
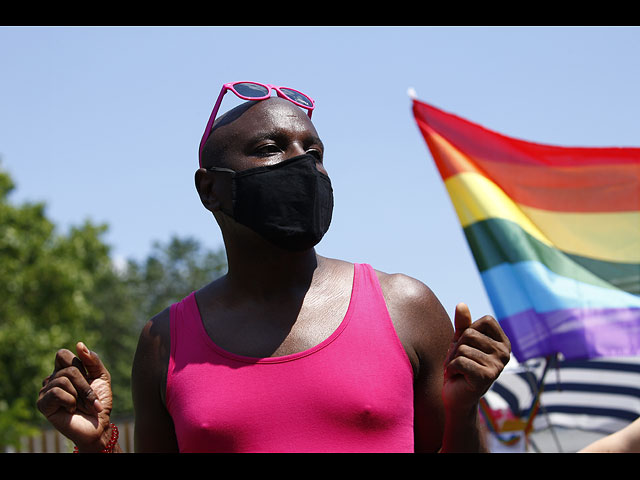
(290, 203)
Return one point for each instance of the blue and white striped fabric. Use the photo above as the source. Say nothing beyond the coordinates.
(599, 395)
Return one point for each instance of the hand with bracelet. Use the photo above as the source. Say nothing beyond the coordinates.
(77, 400)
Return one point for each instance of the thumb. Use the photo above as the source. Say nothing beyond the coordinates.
(91, 361)
(462, 320)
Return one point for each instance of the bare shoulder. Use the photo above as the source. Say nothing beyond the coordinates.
(155, 336)
(152, 354)
(421, 322)
(407, 296)
(335, 266)
(154, 430)
(401, 287)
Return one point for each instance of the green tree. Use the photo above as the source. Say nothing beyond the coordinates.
(56, 289)
(170, 272)
(46, 285)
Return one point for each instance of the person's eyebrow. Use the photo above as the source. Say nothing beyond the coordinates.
(277, 133)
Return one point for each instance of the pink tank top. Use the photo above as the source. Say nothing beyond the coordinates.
(353, 392)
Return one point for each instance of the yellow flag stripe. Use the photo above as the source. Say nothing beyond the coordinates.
(604, 236)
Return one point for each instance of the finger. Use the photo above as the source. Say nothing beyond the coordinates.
(462, 320)
(477, 339)
(492, 350)
(487, 335)
(86, 398)
(471, 350)
(475, 373)
(490, 327)
(77, 363)
(61, 382)
(461, 367)
(64, 358)
(65, 364)
(95, 369)
(91, 362)
(475, 354)
(59, 394)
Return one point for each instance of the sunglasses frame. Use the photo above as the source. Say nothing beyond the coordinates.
(270, 88)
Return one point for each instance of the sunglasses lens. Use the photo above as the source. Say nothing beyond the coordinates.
(251, 90)
(297, 97)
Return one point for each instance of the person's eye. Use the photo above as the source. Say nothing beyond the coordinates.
(268, 149)
(316, 153)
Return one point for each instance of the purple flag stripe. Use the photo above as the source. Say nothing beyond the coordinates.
(576, 333)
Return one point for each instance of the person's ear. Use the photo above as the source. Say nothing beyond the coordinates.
(206, 187)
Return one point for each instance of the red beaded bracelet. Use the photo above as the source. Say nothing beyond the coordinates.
(112, 442)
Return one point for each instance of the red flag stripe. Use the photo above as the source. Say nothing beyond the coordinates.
(567, 188)
(484, 144)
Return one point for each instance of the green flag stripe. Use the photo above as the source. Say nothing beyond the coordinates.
(495, 241)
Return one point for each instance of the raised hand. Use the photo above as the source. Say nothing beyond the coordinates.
(76, 398)
(477, 355)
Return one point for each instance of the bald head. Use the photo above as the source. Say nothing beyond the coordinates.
(250, 122)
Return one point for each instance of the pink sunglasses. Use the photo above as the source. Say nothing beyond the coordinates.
(256, 91)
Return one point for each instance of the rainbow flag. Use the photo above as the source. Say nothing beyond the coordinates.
(554, 231)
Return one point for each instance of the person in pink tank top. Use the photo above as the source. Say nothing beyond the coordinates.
(289, 351)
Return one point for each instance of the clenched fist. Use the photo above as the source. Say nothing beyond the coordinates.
(477, 355)
(76, 398)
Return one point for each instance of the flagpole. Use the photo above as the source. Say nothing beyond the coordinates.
(537, 403)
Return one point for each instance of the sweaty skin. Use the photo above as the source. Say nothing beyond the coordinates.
(274, 302)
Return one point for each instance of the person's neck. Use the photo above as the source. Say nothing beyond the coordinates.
(266, 271)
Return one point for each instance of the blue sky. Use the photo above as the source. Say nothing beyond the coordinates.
(103, 123)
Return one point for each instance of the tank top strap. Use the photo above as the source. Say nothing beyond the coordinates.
(368, 285)
(368, 295)
(372, 318)
(184, 327)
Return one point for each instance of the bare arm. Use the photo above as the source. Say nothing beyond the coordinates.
(477, 355)
(154, 429)
(452, 369)
(425, 331)
(626, 440)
